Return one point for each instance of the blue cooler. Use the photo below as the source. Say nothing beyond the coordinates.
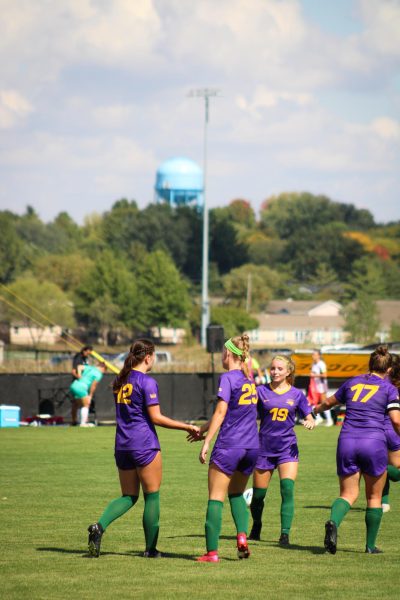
(9, 416)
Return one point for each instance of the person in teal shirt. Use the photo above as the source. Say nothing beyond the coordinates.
(82, 389)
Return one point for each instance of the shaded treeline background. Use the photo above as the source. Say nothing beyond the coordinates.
(127, 270)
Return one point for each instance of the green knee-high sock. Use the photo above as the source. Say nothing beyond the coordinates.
(339, 510)
(257, 504)
(213, 524)
(287, 506)
(373, 517)
(115, 509)
(393, 473)
(239, 512)
(151, 519)
(385, 492)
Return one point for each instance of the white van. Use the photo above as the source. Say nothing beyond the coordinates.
(162, 357)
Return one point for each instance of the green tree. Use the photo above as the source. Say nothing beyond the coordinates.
(290, 212)
(367, 279)
(35, 303)
(242, 212)
(361, 319)
(120, 224)
(234, 320)
(163, 293)
(366, 286)
(176, 231)
(66, 270)
(391, 277)
(395, 331)
(313, 228)
(109, 278)
(265, 249)
(225, 248)
(11, 248)
(63, 234)
(251, 286)
(105, 316)
(326, 283)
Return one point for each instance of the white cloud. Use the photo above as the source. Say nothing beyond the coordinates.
(104, 84)
(386, 128)
(97, 153)
(44, 38)
(382, 26)
(13, 108)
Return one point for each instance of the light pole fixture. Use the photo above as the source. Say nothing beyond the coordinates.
(205, 93)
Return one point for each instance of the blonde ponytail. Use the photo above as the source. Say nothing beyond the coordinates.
(243, 343)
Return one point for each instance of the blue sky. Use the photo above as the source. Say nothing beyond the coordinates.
(93, 98)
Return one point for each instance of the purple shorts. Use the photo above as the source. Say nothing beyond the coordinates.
(270, 463)
(392, 439)
(126, 460)
(367, 455)
(230, 460)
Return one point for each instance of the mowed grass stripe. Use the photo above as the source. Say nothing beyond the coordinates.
(56, 481)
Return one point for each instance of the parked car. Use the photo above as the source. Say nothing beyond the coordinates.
(393, 346)
(162, 357)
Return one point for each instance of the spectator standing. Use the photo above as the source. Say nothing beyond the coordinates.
(319, 386)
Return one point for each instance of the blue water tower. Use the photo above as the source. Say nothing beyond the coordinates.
(179, 181)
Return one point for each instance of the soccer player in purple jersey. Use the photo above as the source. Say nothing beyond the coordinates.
(137, 449)
(362, 448)
(278, 403)
(235, 451)
(392, 440)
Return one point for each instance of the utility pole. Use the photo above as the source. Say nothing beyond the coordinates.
(205, 93)
(248, 295)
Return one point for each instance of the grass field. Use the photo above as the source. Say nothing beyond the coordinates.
(56, 481)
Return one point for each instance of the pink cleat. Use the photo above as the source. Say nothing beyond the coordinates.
(211, 556)
(243, 549)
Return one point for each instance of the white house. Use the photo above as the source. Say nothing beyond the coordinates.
(30, 336)
(293, 322)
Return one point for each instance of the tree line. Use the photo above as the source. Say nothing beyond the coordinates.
(128, 270)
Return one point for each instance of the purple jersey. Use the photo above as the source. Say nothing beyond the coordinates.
(392, 438)
(367, 399)
(277, 412)
(239, 429)
(135, 431)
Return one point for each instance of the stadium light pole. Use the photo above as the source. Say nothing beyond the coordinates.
(205, 93)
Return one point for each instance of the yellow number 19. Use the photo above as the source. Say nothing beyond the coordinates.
(279, 414)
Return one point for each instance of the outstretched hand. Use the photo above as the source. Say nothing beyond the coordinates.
(309, 424)
(193, 431)
(195, 436)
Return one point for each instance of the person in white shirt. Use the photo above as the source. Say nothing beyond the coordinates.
(319, 373)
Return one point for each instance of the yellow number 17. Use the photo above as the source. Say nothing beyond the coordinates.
(359, 387)
(250, 394)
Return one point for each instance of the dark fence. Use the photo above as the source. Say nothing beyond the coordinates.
(185, 396)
